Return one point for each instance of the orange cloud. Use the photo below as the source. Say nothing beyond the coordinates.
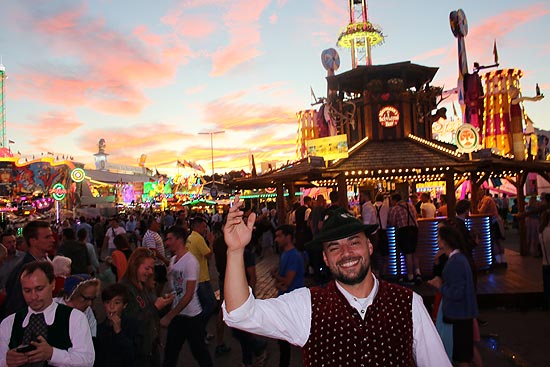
(140, 137)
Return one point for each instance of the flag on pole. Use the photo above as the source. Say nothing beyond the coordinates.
(495, 52)
(313, 94)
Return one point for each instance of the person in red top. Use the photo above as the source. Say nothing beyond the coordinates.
(120, 256)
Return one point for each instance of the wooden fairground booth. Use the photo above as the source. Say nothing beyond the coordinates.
(385, 112)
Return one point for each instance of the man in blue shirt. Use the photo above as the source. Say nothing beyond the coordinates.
(289, 276)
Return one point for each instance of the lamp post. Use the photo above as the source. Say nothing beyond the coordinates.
(212, 133)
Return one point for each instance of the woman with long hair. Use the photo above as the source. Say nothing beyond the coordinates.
(144, 306)
(458, 304)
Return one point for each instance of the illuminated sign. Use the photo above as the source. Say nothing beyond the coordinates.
(78, 174)
(332, 147)
(388, 116)
(467, 138)
(58, 191)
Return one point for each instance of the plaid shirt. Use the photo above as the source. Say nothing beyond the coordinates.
(399, 217)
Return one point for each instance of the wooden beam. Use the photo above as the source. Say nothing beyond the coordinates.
(545, 176)
(342, 190)
(458, 183)
(450, 193)
(482, 179)
(523, 244)
(280, 202)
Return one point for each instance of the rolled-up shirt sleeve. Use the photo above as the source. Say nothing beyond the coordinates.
(287, 317)
(81, 354)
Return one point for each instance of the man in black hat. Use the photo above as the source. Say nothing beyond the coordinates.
(354, 320)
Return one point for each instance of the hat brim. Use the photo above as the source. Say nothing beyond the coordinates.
(339, 233)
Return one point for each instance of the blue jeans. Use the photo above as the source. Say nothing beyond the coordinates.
(208, 301)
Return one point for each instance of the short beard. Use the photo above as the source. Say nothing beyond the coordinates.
(352, 280)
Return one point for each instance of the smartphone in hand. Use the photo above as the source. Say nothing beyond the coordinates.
(25, 348)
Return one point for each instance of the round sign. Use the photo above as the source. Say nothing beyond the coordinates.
(330, 59)
(388, 116)
(58, 191)
(78, 174)
(467, 138)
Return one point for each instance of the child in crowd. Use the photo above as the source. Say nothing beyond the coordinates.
(61, 270)
(117, 335)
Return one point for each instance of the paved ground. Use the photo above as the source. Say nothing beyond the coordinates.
(511, 339)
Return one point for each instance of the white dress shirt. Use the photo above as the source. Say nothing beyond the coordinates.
(81, 354)
(288, 317)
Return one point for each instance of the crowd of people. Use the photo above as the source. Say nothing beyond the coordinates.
(151, 271)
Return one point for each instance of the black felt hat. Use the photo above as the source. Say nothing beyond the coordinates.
(339, 224)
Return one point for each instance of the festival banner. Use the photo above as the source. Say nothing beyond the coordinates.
(330, 148)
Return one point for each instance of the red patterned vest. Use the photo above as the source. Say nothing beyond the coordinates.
(340, 337)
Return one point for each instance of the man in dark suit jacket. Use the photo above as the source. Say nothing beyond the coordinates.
(76, 251)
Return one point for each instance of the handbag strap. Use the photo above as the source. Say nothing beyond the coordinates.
(378, 215)
(409, 216)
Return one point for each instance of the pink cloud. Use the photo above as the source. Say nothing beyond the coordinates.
(243, 28)
(190, 25)
(479, 41)
(332, 12)
(196, 89)
(442, 51)
(111, 67)
(107, 96)
(50, 126)
(273, 19)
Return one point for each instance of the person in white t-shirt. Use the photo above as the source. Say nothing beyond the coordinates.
(183, 320)
(110, 234)
(427, 208)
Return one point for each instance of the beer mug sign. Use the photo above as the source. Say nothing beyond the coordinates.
(467, 138)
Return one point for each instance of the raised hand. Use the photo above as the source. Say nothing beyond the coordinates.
(238, 232)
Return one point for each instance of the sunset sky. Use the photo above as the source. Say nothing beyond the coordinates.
(148, 76)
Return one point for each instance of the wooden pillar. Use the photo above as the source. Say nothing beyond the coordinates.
(291, 192)
(450, 193)
(523, 244)
(475, 195)
(280, 202)
(342, 190)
